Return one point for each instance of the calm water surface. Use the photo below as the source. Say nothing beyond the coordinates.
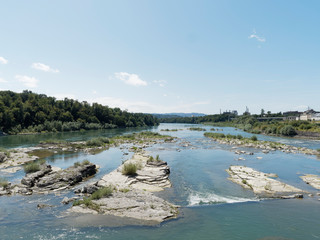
(212, 206)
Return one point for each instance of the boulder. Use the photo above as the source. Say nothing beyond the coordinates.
(30, 179)
(3, 157)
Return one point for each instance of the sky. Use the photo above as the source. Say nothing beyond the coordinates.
(163, 56)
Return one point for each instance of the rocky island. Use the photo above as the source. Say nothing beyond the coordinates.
(48, 179)
(262, 184)
(130, 193)
(313, 180)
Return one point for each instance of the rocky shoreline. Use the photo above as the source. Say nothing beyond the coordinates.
(132, 195)
(262, 184)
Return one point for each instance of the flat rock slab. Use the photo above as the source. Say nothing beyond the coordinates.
(261, 183)
(136, 204)
(313, 180)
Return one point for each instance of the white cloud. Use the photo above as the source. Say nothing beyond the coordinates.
(3, 80)
(30, 82)
(43, 67)
(254, 35)
(161, 83)
(3, 60)
(130, 79)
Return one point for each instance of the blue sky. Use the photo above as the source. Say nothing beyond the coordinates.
(165, 56)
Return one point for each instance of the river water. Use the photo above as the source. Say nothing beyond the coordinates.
(212, 206)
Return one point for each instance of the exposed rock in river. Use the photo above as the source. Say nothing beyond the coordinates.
(261, 183)
(313, 180)
(15, 157)
(46, 180)
(132, 195)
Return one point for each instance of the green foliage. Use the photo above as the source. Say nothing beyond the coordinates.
(31, 167)
(254, 138)
(169, 130)
(196, 129)
(97, 142)
(288, 130)
(102, 192)
(3, 182)
(129, 169)
(84, 162)
(30, 112)
(152, 159)
(5, 151)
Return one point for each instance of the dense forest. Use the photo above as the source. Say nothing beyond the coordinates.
(29, 112)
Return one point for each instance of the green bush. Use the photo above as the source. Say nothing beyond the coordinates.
(152, 159)
(84, 162)
(3, 182)
(31, 167)
(102, 192)
(288, 130)
(239, 136)
(129, 169)
(197, 129)
(5, 151)
(97, 142)
(254, 138)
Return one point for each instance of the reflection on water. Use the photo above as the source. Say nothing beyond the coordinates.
(212, 206)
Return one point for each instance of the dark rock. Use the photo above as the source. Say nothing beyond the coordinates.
(67, 200)
(297, 195)
(3, 157)
(87, 189)
(40, 206)
(66, 178)
(30, 179)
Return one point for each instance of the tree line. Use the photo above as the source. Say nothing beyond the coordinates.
(32, 112)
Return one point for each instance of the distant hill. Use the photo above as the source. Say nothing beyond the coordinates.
(177, 115)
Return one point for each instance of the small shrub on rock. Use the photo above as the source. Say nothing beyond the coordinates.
(129, 169)
(254, 138)
(3, 182)
(31, 167)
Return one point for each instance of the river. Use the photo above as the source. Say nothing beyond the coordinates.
(212, 206)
